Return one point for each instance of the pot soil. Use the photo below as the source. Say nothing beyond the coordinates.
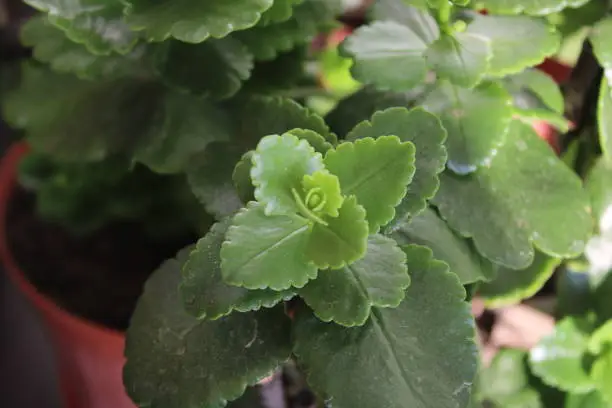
(84, 288)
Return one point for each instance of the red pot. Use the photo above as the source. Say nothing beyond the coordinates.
(90, 357)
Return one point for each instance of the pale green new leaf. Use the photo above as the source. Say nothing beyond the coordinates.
(601, 338)
(388, 55)
(600, 39)
(462, 58)
(279, 165)
(517, 42)
(377, 171)
(604, 118)
(177, 361)
(511, 286)
(193, 21)
(428, 229)
(530, 7)
(523, 196)
(407, 346)
(558, 358)
(263, 251)
(425, 131)
(343, 240)
(215, 68)
(473, 137)
(346, 296)
(204, 293)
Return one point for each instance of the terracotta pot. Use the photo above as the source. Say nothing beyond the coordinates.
(89, 357)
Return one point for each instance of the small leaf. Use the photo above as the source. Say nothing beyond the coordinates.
(346, 295)
(407, 346)
(210, 178)
(376, 171)
(215, 68)
(462, 58)
(425, 131)
(343, 240)
(327, 194)
(242, 178)
(601, 372)
(430, 230)
(511, 286)
(530, 7)
(266, 251)
(473, 138)
(279, 165)
(558, 358)
(604, 118)
(601, 338)
(540, 84)
(388, 55)
(600, 39)
(517, 42)
(204, 293)
(177, 361)
(193, 22)
(314, 139)
(525, 196)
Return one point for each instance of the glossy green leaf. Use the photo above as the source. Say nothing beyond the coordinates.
(210, 177)
(538, 83)
(388, 55)
(592, 399)
(601, 373)
(558, 359)
(407, 13)
(281, 10)
(407, 346)
(425, 131)
(523, 196)
(263, 251)
(377, 171)
(51, 45)
(511, 286)
(343, 240)
(215, 68)
(204, 293)
(175, 360)
(473, 138)
(193, 22)
(463, 58)
(604, 118)
(346, 296)
(430, 230)
(530, 7)
(600, 39)
(279, 165)
(517, 42)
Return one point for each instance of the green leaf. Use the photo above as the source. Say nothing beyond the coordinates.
(463, 58)
(601, 338)
(281, 10)
(263, 251)
(318, 142)
(539, 84)
(343, 240)
(204, 293)
(409, 14)
(242, 178)
(376, 171)
(511, 286)
(175, 360)
(215, 68)
(51, 45)
(388, 55)
(100, 28)
(210, 178)
(517, 42)
(473, 138)
(600, 39)
(430, 230)
(524, 196)
(425, 131)
(323, 190)
(592, 399)
(407, 346)
(193, 22)
(601, 373)
(530, 7)
(558, 358)
(346, 295)
(279, 165)
(604, 118)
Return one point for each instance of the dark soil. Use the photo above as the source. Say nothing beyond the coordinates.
(98, 277)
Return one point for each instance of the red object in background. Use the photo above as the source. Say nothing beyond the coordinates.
(89, 357)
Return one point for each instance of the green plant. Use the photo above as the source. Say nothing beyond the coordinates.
(344, 242)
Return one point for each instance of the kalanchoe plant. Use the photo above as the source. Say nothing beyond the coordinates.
(346, 242)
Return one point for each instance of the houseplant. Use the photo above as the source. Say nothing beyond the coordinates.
(351, 243)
